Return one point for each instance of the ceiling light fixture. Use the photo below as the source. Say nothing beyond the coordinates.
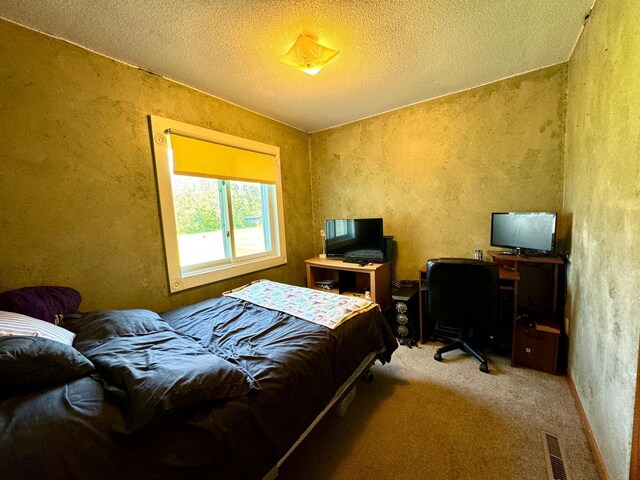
(308, 55)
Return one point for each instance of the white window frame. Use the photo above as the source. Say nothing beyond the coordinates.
(195, 275)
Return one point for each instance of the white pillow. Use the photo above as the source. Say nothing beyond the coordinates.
(18, 324)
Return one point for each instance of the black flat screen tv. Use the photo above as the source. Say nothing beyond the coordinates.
(524, 231)
(355, 239)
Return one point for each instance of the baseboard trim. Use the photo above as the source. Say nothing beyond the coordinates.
(602, 469)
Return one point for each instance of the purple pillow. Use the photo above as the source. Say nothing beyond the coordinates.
(45, 303)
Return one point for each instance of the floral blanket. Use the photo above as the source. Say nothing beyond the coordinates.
(324, 308)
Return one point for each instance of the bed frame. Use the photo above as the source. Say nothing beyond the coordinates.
(339, 403)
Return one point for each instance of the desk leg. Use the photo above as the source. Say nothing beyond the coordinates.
(422, 294)
(515, 322)
(556, 268)
(421, 317)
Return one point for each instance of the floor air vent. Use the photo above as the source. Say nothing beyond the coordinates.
(554, 455)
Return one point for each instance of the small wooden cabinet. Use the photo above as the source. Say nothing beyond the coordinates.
(351, 278)
(535, 348)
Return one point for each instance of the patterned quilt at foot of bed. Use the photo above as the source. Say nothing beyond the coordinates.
(324, 308)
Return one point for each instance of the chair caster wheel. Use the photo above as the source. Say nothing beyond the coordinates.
(368, 377)
(438, 356)
(484, 368)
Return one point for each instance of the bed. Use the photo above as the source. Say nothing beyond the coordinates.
(146, 404)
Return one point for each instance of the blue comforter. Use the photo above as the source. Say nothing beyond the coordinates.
(220, 389)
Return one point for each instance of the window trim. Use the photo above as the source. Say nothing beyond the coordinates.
(178, 278)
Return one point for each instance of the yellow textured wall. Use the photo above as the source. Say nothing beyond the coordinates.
(603, 201)
(77, 185)
(435, 171)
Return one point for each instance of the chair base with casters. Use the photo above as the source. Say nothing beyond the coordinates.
(465, 347)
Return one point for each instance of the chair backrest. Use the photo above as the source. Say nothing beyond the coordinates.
(463, 293)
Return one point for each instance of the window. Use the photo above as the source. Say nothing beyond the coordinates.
(220, 201)
(340, 233)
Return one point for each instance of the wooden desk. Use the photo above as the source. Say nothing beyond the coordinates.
(539, 341)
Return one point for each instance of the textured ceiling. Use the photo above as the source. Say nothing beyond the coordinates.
(392, 52)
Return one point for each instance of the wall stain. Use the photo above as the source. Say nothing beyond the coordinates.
(448, 163)
(86, 180)
(601, 192)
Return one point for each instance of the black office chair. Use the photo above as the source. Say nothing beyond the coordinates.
(463, 297)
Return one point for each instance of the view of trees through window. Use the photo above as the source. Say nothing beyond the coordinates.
(199, 218)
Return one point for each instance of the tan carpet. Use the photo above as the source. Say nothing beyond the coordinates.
(424, 419)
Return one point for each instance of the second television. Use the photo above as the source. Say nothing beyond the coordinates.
(355, 239)
(525, 232)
